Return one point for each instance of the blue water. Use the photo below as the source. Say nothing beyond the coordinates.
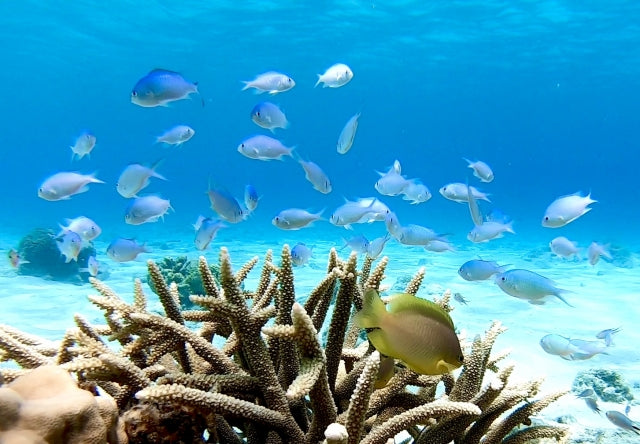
(546, 92)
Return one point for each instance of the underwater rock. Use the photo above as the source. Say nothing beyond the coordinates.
(622, 257)
(609, 385)
(43, 258)
(186, 275)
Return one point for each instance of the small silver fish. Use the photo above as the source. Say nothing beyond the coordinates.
(458, 297)
(146, 209)
(85, 227)
(623, 421)
(269, 116)
(439, 246)
(358, 244)
(135, 177)
(481, 170)
(566, 209)
(63, 185)
(586, 393)
(563, 247)
(69, 244)
(93, 266)
(177, 135)
(488, 231)
(206, 229)
(272, 82)
(262, 147)
(377, 245)
(315, 175)
(457, 192)
(596, 250)
(251, 197)
(592, 403)
(225, 205)
(525, 284)
(124, 250)
(416, 192)
(160, 87)
(83, 146)
(335, 76)
(607, 335)
(479, 270)
(295, 218)
(300, 254)
(391, 183)
(348, 134)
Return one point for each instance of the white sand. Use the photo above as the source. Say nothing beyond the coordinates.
(603, 297)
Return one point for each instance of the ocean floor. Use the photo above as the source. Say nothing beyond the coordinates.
(601, 297)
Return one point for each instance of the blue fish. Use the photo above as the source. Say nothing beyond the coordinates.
(160, 87)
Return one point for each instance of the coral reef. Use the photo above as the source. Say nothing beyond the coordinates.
(257, 372)
(185, 274)
(609, 385)
(42, 257)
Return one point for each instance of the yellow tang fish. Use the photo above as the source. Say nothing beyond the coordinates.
(414, 330)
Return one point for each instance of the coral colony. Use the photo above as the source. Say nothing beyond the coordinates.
(254, 371)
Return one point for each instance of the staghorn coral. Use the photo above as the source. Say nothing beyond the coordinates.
(257, 371)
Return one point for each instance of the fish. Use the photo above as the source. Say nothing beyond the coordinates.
(391, 183)
(135, 177)
(479, 270)
(353, 212)
(393, 225)
(592, 403)
(93, 266)
(474, 208)
(607, 335)
(69, 244)
(418, 332)
(385, 372)
(413, 234)
(348, 134)
(85, 227)
(525, 284)
(251, 197)
(439, 246)
(146, 209)
(314, 174)
(586, 393)
(375, 247)
(460, 298)
(269, 116)
(300, 254)
(335, 76)
(595, 251)
(557, 345)
(623, 421)
(566, 209)
(206, 229)
(488, 231)
(563, 247)
(161, 87)
(63, 185)
(358, 244)
(295, 218)
(585, 349)
(481, 170)
(226, 206)
(15, 260)
(264, 148)
(125, 250)
(272, 82)
(416, 192)
(83, 146)
(457, 192)
(176, 135)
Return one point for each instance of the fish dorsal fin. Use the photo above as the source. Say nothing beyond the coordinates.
(162, 71)
(408, 302)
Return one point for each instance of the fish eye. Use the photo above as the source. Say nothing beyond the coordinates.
(258, 113)
(546, 218)
(242, 145)
(460, 358)
(134, 94)
(503, 279)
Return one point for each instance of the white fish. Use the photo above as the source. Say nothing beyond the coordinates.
(135, 177)
(481, 170)
(525, 284)
(377, 210)
(623, 421)
(415, 235)
(474, 208)
(489, 230)
(83, 145)
(439, 246)
(607, 335)
(336, 76)
(251, 197)
(348, 134)
(393, 224)
(416, 192)
(300, 254)
(69, 244)
(263, 148)
(85, 227)
(479, 270)
(391, 183)
(63, 185)
(269, 116)
(377, 245)
(271, 82)
(457, 192)
(206, 229)
(124, 250)
(358, 244)
(315, 175)
(93, 266)
(177, 135)
(350, 212)
(146, 209)
(566, 209)
(295, 218)
(596, 250)
(563, 247)
(227, 207)
(557, 345)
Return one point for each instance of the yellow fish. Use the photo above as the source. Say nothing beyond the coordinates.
(414, 330)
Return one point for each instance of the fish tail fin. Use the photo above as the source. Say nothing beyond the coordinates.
(73, 154)
(246, 85)
(319, 80)
(372, 310)
(559, 294)
(510, 227)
